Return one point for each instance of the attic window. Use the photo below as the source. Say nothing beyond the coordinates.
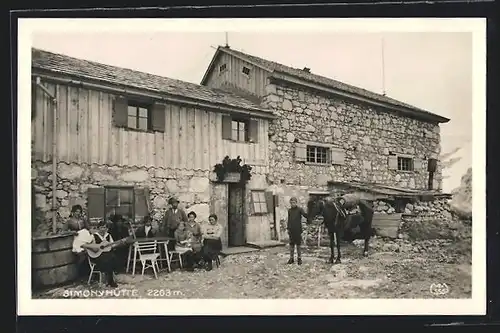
(245, 70)
(222, 68)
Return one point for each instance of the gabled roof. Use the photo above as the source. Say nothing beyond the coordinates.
(88, 70)
(286, 73)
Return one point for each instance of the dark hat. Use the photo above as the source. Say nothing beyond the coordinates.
(172, 200)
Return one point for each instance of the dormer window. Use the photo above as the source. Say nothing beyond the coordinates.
(222, 68)
(246, 71)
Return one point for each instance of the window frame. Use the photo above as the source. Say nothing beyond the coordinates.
(112, 208)
(222, 68)
(262, 202)
(316, 147)
(246, 130)
(137, 116)
(405, 160)
(243, 71)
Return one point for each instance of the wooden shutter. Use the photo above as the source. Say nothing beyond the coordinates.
(300, 152)
(226, 127)
(141, 204)
(158, 117)
(337, 156)
(417, 164)
(120, 112)
(270, 202)
(392, 162)
(95, 202)
(253, 131)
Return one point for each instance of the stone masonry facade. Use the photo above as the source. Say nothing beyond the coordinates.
(192, 188)
(366, 135)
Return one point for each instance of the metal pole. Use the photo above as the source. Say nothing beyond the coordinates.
(53, 99)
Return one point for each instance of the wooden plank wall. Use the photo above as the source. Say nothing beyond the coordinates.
(255, 83)
(85, 134)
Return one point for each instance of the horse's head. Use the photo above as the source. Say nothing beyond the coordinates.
(315, 207)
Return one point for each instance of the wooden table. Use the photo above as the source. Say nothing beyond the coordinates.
(160, 240)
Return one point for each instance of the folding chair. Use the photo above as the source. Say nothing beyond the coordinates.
(93, 271)
(147, 251)
(179, 252)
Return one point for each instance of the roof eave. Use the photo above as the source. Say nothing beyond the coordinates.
(415, 113)
(64, 78)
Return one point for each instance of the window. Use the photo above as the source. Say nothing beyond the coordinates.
(259, 202)
(317, 155)
(138, 117)
(119, 200)
(405, 164)
(222, 68)
(245, 70)
(239, 130)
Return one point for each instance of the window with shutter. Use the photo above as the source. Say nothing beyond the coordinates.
(95, 203)
(241, 130)
(158, 117)
(300, 152)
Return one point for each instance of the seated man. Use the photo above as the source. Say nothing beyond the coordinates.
(212, 245)
(106, 262)
(146, 230)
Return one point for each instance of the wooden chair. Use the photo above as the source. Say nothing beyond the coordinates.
(147, 252)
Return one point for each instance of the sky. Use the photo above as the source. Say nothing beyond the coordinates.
(430, 70)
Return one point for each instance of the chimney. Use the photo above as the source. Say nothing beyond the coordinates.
(307, 70)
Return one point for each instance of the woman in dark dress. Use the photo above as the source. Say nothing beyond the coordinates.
(212, 244)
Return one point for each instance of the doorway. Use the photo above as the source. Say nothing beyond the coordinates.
(236, 215)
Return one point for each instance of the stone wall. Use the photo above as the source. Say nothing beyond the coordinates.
(367, 136)
(192, 188)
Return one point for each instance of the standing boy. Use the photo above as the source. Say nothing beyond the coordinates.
(294, 227)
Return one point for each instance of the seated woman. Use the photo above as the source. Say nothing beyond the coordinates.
(106, 262)
(196, 241)
(182, 239)
(146, 230)
(212, 245)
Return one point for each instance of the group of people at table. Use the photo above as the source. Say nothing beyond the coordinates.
(200, 243)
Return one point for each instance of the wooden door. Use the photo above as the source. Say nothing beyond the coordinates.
(236, 220)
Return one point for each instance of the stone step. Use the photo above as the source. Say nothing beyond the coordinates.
(266, 244)
(237, 250)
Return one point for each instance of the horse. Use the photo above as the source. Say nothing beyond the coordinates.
(339, 224)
